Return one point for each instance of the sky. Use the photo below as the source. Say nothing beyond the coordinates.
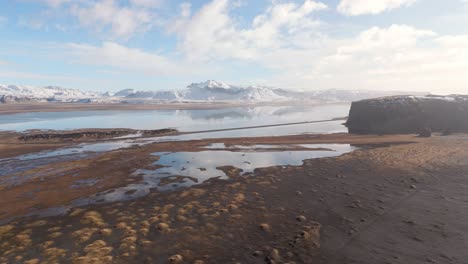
(109, 45)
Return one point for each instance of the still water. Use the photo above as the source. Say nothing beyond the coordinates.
(184, 120)
(185, 169)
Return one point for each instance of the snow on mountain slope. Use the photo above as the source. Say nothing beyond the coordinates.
(49, 93)
(209, 91)
(125, 92)
(219, 91)
(159, 95)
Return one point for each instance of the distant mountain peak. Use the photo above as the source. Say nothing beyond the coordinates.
(210, 84)
(125, 92)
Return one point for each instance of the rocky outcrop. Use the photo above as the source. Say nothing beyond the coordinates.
(409, 114)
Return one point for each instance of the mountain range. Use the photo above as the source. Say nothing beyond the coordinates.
(209, 91)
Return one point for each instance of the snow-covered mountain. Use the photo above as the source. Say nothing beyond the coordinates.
(209, 91)
(22, 93)
(125, 92)
(219, 91)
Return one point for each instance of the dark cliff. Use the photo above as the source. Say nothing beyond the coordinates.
(409, 114)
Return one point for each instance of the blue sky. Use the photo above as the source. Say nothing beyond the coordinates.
(101, 45)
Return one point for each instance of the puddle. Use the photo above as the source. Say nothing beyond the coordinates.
(185, 169)
(13, 166)
(79, 149)
(12, 172)
(220, 146)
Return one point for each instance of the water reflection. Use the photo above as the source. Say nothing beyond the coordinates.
(201, 166)
(184, 120)
(20, 163)
(185, 169)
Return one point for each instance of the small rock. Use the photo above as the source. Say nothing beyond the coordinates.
(176, 259)
(162, 226)
(425, 132)
(273, 257)
(265, 227)
(301, 218)
(413, 186)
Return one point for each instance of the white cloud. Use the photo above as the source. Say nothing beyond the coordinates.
(123, 21)
(362, 7)
(114, 18)
(396, 58)
(114, 55)
(212, 34)
(394, 39)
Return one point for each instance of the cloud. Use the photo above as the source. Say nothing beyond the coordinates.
(399, 57)
(122, 21)
(115, 55)
(114, 18)
(394, 38)
(363, 7)
(111, 54)
(211, 33)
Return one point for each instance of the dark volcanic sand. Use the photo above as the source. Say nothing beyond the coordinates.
(397, 203)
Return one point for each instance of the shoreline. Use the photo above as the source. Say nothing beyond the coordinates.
(7, 109)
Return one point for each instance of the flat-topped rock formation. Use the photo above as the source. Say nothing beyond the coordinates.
(409, 114)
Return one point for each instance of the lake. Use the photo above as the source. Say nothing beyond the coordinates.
(184, 120)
